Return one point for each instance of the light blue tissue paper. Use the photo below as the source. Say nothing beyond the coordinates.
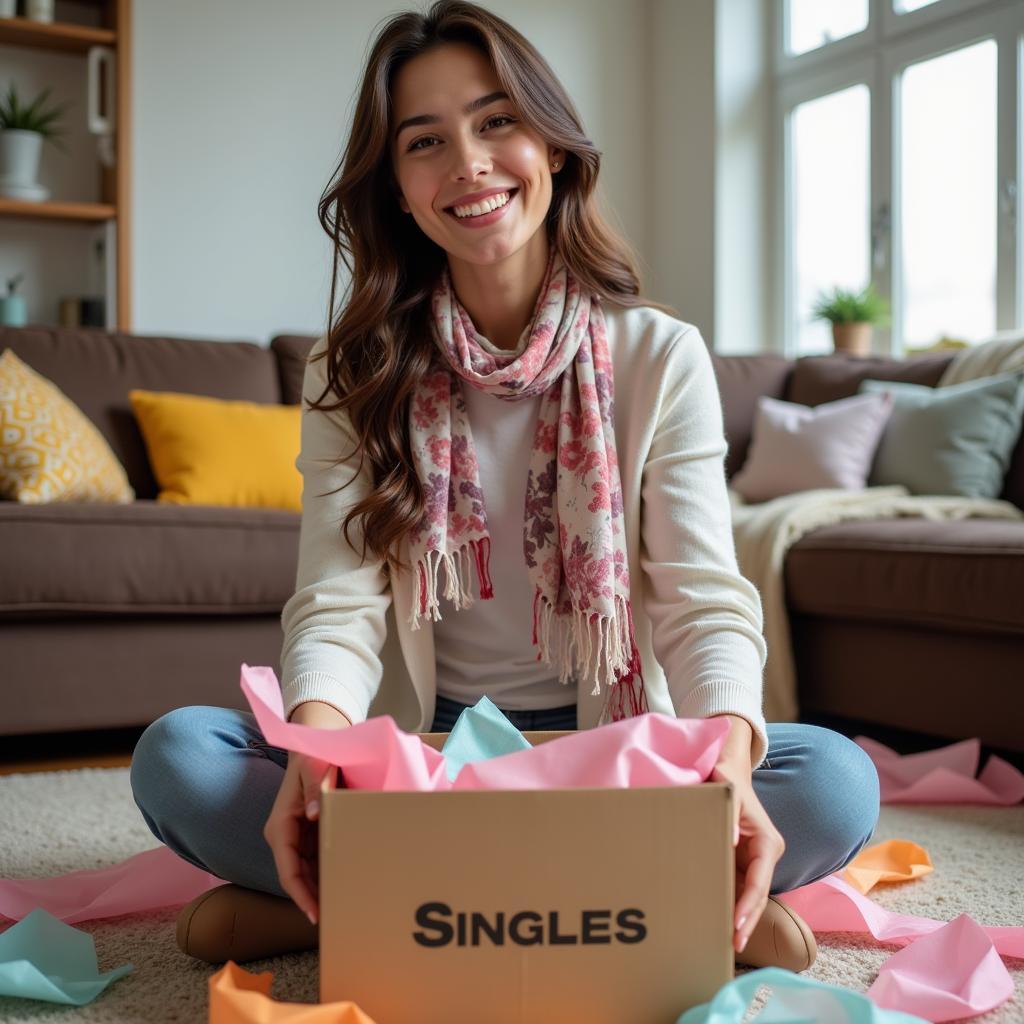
(480, 733)
(41, 957)
(794, 999)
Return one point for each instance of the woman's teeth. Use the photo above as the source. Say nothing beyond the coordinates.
(485, 206)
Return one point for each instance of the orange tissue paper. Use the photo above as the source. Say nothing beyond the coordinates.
(238, 997)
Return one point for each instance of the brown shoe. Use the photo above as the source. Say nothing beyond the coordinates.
(231, 922)
(780, 938)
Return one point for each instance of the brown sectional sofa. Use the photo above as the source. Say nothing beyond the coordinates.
(907, 623)
(112, 615)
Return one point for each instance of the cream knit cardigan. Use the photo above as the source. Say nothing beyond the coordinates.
(698, 621)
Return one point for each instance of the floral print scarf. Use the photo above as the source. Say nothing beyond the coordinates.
(573, 535)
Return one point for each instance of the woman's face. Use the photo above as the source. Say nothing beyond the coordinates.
(450, 153)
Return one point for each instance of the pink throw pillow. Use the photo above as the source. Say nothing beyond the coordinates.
(799, 448)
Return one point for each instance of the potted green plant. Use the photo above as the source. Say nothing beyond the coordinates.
(23, 129)
(852, 315)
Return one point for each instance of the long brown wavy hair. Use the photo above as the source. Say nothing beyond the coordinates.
(381, 346)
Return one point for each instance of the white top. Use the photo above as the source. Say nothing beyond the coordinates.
(698, 623)
(487, 647)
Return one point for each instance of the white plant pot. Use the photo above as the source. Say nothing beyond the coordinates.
(19, 164)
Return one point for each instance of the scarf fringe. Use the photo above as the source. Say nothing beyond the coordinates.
(457, 576)
(583, 637)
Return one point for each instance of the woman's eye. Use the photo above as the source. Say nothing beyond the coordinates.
(490, 122)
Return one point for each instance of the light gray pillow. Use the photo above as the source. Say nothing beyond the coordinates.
(949, 440)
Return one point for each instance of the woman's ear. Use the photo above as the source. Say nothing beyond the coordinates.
(556, 159)
(403, 204)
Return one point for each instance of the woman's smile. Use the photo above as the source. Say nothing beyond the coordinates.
(480, 220)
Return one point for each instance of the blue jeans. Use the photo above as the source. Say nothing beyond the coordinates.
(205, 782)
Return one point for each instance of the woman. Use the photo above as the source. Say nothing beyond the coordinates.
(494, 358)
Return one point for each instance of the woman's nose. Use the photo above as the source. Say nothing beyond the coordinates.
(470, 157)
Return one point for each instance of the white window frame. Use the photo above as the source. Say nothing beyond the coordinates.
(877, 57)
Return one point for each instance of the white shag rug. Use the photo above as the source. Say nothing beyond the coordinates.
(56, 822)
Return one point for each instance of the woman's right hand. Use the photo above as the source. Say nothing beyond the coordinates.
(291, 830)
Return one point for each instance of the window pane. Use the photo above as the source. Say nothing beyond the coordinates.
(948, 189)
(830, 205)
(904, 6)
(813, 23)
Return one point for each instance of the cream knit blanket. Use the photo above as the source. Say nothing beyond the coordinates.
(1003, 353)
(764, 533)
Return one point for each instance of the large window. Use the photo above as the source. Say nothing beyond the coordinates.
(830, 203)
(948, 188)
(901, 124)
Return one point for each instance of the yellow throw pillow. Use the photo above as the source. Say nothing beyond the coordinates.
(50, 451)
(209, 451)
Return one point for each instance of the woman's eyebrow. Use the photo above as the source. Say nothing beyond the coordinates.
(469, 108)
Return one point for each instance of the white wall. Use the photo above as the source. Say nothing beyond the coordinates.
(241, 110)
(744, 184)
(681, 161)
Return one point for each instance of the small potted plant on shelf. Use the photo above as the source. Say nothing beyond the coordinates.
(852, 315)
(22, 133)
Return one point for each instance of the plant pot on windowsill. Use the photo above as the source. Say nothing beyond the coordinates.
(852, 338)
(852, 315)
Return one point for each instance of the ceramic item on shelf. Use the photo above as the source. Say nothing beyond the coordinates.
(39, 10)
(19, 164)
(12, 311)
(8, 8)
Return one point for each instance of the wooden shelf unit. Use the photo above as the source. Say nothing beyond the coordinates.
(115, 201)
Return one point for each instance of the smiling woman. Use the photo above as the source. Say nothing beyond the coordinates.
(497, 400)
(456, 112)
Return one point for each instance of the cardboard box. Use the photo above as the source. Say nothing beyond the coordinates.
(611, 906)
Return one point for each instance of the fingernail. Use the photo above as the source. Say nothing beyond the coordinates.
(736, 836)
(741, 922)
(311, 808)
(743, 944)
(311, 916)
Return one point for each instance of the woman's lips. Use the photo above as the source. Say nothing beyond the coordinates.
(485, 218)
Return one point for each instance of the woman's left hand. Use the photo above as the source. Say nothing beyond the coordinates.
(759, 845)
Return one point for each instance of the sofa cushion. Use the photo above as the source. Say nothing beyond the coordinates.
(96, 369)
(955, 439)
(952, 574)
(797, 448)
(741, 381)
(49, 450)
(145, 558)
(292, 351)
(207, 451)
(817, 379)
